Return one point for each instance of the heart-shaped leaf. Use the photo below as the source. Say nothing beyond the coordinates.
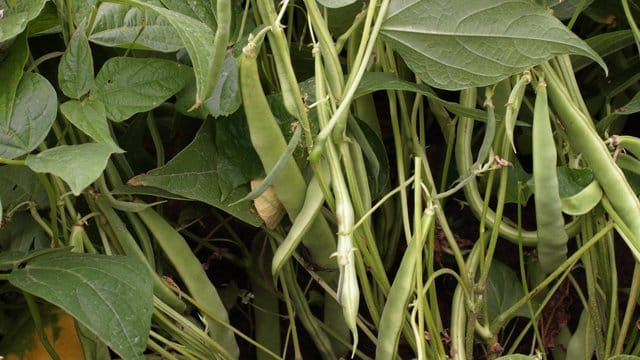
(111, 295)
(34, 111)
(77, 165)
(196, 37)
(458, 44)
(123, 26)
(90, 117)
(16, 17)
(193, 174)
(75, 72)
(127, 86)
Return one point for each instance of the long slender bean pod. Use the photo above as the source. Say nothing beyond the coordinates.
(552, 239)
(513, 105)
(585, 140)
(400, 293)
(193, 276)
(269, 143)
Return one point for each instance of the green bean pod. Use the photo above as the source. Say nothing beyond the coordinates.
(77, 237)
(584, 139)
(401, 289)
(552, 239)
(194, 278)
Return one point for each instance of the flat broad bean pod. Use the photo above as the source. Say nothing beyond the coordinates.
(583, 137)
(552, 239)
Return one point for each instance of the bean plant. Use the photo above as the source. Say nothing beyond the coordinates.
(381, 179)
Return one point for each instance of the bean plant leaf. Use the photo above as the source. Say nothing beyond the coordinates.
(193, 174)
(77, 165)
(564, 9)
(517, 180)
(75, 72)
(504, 289)
(225, 99)
(336, 3)
(33, 114)
(16, 17)
(196, 37)
(517, 357)
(459, 44)
(47, 22)
(90, 117)
(632, 107)
(110, 295)
(604, 44)
(127, 86)
(22, 233)
(202, 10)
(11, 71)
(123, 26)
(19, 184)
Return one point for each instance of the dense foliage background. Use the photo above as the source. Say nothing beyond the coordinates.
(203, 179)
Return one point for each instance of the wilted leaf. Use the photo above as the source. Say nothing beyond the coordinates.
(459, 43)
(77, 165)
(127, 86)
(110, 295)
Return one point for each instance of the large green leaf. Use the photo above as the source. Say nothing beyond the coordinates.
(34, 111)
(75, 72)
(196, 37)
(503, 291)
(11, 71)
(17, 15)
(127, 86)
(203, 10)
(77, 165)
(110, 295)
(90, 117)
(193, 174)
(123, 26)
(458, 44)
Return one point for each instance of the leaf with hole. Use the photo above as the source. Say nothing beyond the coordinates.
(127, 86)
(77, 165)
(459, 43)
(110, 295)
